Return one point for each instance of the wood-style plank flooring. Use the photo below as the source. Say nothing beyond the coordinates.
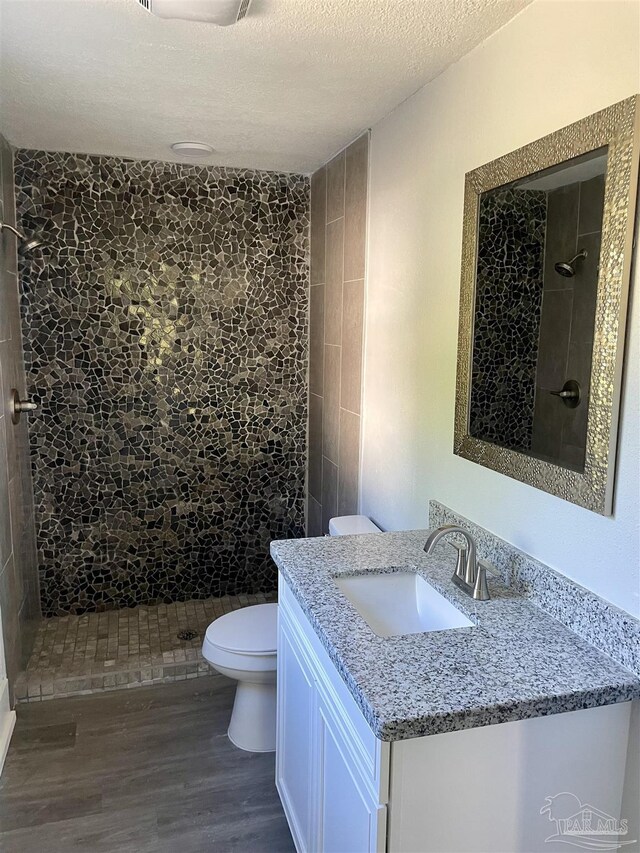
(145, 770)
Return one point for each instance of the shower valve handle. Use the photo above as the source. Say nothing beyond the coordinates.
(564, 393)
(18, 406)
(570, 393)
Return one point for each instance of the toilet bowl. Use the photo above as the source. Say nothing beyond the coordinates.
(242, 646)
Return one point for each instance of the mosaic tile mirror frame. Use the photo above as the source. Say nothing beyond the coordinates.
(499, 389)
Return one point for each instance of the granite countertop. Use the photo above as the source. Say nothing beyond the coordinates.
(516, 662)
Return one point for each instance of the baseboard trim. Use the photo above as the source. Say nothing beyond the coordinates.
(7, 722)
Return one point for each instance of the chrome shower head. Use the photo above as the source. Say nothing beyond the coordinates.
(27, 244)
(566, 268)
(30, 243)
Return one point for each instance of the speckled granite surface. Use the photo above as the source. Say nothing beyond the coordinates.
(605, 626)
(516, 662)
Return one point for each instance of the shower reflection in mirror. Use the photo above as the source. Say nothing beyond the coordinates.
(536, 286)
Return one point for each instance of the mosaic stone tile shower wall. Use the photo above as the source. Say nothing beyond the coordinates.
(509, 289)
(166, 342)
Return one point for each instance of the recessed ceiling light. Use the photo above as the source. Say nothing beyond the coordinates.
(192, 149)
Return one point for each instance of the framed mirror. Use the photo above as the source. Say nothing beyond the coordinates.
(546, 258)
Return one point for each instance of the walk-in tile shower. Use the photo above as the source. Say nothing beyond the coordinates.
(166, 343)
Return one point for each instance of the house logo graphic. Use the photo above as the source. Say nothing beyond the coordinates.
(583, 825)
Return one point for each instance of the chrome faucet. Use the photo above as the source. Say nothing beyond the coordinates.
(470, 575)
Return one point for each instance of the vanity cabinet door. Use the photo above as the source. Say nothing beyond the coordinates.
(331, 772)
(296, 739)
(350, 820)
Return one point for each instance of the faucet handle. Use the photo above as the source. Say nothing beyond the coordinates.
(461, 562)
(480, 589)
(490, 568)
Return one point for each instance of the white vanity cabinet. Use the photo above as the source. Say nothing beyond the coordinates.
(345, 791)
(331, 771)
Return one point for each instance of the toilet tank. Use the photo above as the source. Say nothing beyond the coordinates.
(345, 525)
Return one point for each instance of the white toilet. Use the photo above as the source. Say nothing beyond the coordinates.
(242, 645)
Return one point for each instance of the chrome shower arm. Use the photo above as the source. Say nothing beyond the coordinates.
(4, 225)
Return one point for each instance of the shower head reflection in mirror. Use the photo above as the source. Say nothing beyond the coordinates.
(547, 244)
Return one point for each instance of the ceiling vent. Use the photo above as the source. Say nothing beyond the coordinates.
(220, 12)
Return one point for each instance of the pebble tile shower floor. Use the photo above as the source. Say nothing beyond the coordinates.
(117, 649)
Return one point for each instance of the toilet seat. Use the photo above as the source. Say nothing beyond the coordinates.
(249, 631)
(244, 640)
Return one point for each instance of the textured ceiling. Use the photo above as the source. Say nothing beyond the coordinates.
(284, 89)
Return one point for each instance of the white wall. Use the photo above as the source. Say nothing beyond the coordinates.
(553, 64)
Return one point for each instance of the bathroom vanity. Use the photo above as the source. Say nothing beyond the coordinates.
(447, 739)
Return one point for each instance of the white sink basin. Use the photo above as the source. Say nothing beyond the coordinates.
(399, 603)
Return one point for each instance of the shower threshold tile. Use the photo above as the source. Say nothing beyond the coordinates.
(75, 655)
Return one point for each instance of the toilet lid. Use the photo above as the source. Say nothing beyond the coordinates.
(250, 630)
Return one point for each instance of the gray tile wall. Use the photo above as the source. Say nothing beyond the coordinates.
(574, 222)
(19, 599)
(166, 323)
(338, 239)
